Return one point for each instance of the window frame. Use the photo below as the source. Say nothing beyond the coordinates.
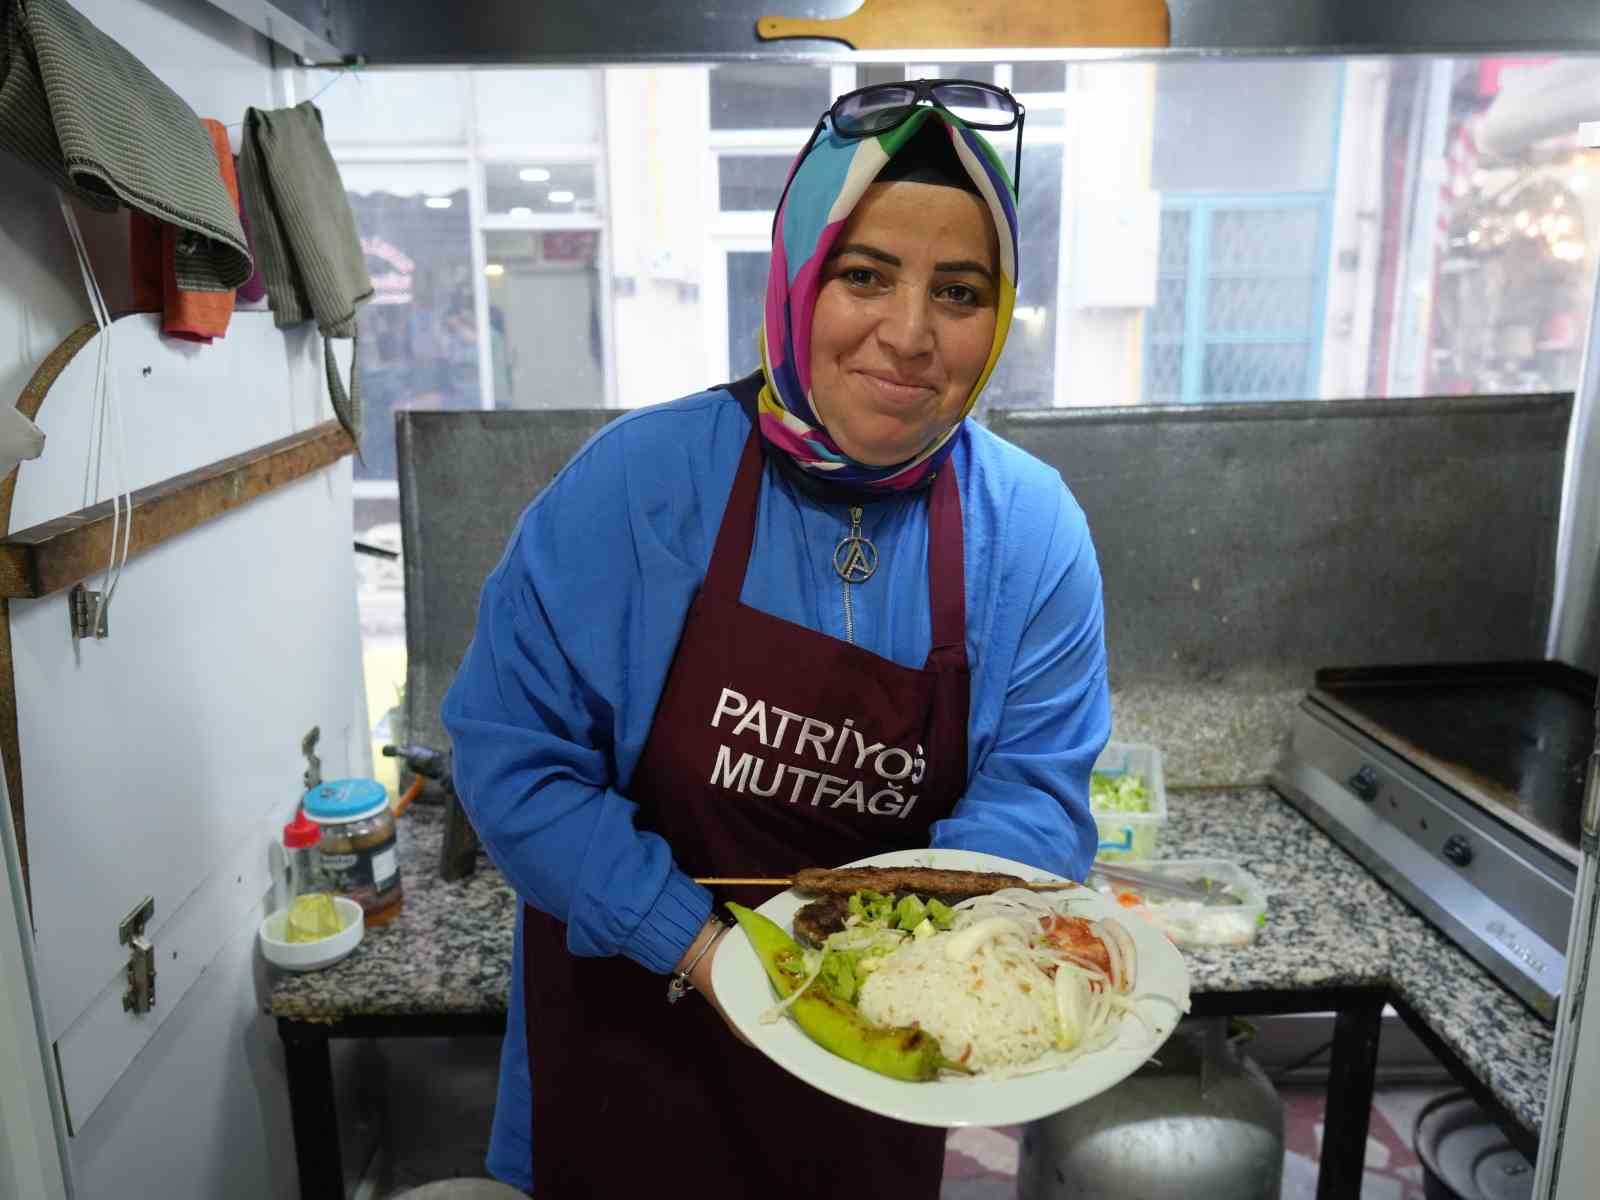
(1195, 339)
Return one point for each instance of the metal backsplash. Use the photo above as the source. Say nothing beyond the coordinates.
(465, 478)
(1268, 540)
(1236, 541)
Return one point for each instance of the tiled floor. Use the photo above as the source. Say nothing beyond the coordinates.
(444, 1133)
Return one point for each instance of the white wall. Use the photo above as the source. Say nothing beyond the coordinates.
(202, 1111)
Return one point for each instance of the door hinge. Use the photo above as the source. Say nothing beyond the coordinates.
(83, 606)
(308, 747)
(140, 997)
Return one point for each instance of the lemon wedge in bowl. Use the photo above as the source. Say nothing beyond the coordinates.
(325, 930)
(312, 918)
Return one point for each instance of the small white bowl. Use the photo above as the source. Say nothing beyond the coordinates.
(312, 956)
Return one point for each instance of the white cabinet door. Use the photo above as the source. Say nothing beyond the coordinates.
(1569, 1145)
(160, 761)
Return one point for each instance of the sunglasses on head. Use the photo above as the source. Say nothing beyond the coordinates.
(880, 107)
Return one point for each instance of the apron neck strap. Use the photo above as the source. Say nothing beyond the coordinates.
(947, 593)
(737, 533)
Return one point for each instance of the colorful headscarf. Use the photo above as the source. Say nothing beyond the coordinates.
(825, 185)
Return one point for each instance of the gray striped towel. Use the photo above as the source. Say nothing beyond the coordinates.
(305, 236)
(80, 108)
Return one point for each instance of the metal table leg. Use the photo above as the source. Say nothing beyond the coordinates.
(313, 1113)
(1352, 1072)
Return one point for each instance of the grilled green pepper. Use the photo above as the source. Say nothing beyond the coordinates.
(900, 1053)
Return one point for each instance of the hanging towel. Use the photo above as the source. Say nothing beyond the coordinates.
(252, 290)
(20, 439)
(192, 316)
(80, 108)
(305, 236)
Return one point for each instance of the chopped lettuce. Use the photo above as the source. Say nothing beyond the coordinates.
(873, 914)
(838, 975)
(871, 906)
(908, 914)
(1118, 793)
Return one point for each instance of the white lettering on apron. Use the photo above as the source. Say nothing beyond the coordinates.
(755, 719)
(729, 774)
(729, 704)
(785, 716)
(854, 796)
(814, 733)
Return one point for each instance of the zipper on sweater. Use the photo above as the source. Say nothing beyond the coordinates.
(849, 612)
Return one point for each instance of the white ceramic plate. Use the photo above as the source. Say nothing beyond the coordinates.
(745, 992)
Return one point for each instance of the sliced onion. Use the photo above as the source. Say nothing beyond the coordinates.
(1113, 953)
(782, 1006)
(1129, 952)
(1087, 965)
(1070, 991)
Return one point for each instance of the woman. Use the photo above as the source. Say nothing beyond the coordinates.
(733, 638)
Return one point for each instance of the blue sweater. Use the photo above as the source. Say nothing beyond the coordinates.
(577, 627)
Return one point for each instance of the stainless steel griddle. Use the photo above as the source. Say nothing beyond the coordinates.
(1461, 787)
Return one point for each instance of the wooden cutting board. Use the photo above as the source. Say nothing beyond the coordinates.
(957, 24)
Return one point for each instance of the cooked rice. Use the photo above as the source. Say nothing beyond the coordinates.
(994, 1009)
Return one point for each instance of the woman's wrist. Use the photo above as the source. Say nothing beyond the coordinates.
(693, 970)
(708, 930)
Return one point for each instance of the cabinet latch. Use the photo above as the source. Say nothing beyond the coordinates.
(140, 997)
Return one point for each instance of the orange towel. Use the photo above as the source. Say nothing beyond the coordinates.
(194, 316)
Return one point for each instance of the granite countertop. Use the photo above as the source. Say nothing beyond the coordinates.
(1329, 924)
(1219, 735)
(448, 952)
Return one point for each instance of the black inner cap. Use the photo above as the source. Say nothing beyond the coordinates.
(929, 157)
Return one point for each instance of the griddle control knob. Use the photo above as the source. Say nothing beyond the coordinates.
(1364, 783)
(1458, 850)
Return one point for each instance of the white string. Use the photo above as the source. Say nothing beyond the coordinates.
(317, 95)
(107, 418)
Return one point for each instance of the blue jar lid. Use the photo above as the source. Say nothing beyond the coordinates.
(345, 800)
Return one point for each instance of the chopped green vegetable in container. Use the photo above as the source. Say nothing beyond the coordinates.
(1118, 793)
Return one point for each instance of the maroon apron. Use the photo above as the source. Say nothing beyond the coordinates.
(773, 747)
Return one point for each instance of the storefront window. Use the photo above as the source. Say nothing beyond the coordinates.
(545, 328)
(768, 96)
(419, 346)
(526, 188)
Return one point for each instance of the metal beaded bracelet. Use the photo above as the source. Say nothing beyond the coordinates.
(679, 984)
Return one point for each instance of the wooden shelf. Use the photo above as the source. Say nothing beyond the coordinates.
(51, 557)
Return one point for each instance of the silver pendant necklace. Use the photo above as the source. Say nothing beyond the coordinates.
(855, 558)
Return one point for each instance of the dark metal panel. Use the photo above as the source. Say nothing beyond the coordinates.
(424, 32)
(465, 478)
(316, 30)
(1269, 540)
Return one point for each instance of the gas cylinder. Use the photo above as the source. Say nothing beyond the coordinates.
(1200, 1120)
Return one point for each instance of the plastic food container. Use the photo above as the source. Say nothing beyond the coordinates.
(1190, 923)
(1130, 835)
(358, 852)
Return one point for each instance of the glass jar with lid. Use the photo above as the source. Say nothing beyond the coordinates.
(359, 858)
